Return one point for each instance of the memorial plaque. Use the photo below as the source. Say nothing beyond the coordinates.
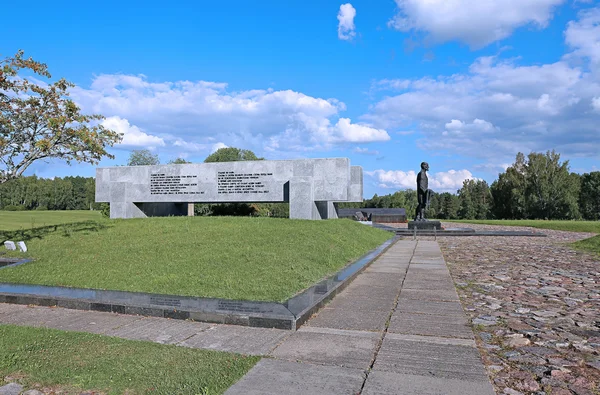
(10, 245)
(22, 246)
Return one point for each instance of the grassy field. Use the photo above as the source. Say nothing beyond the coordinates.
(74, 362)
(571, 226)
(15, 220)
(226, 257)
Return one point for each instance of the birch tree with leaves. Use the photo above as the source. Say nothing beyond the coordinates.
(38, 120)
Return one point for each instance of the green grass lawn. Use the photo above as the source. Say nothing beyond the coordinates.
(15, 220)
(244, 258)
(571, 226)
(74, 362)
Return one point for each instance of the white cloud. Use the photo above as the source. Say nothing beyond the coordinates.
(449, 181)
(132, 135)
(217, 147)
(195, 115)
(500, 107)
(344, 130)
(477, 23)
(346, 28)
(365, 151)
(583, 35)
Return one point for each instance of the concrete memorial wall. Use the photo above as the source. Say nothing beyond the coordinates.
(311, 186)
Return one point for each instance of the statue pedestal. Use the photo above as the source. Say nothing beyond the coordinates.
(425, 225)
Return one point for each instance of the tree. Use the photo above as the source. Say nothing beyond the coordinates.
(142, 157)
(536, 188)
(231, 154)
(589, 197)
(178, 161)
(39, 121)
(550, 190)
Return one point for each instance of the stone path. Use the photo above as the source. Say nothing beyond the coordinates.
(398, 328)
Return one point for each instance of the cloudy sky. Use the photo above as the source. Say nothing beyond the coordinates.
(461, 84)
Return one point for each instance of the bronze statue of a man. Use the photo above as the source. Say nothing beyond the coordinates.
(422, 189)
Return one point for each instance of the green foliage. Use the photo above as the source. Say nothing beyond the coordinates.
(105, 210)
(231, 154)
(178, 161)
(142, 157)
(537, 188)
(475, 200)
(13, 207)
(589, 197)
(74, 362)
(225, 257)
(33, 193)
(449, 206)
(39, 121)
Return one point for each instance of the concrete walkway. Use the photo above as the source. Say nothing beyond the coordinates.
(397, 329)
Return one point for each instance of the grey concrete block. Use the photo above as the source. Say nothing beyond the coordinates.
(384, 383)
(430, 359)
(237, 339)
(275, 377)
(328, 349)
(159, 330)
(448, 295)
(433, 307)
(456, 326)
(351, 317)
(246, 181)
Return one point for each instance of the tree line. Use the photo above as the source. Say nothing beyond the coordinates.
(538, 186)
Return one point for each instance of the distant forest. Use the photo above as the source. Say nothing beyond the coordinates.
(538, 186)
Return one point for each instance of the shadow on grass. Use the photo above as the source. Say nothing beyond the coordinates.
(65, 230)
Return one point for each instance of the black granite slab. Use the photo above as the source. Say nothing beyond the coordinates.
(425, 225)
(403, 232)
(11, 262)
(288, 315)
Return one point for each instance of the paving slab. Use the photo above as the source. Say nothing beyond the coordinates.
(432, 285)
(364, 319)
(276, 377)
(430, 359)
(433, 307)
(350, 302)
(386, 280)
(362, 291)
(395, 269)
(237, 339)
(160, 330)
(430, 325)
(65, 319)
(385, 383)
(328, 349)
(421, 294)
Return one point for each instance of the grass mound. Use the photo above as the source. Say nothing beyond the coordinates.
(224, 257)
(72, 362)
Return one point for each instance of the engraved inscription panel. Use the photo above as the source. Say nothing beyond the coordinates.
(164, 301)
(162, 184)
(233, 183)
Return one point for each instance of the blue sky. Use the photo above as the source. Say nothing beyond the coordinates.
(463, 85)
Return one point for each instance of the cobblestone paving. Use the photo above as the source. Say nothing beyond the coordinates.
(535, 307)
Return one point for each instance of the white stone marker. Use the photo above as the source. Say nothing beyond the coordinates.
(10, 245)
(22, 246)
